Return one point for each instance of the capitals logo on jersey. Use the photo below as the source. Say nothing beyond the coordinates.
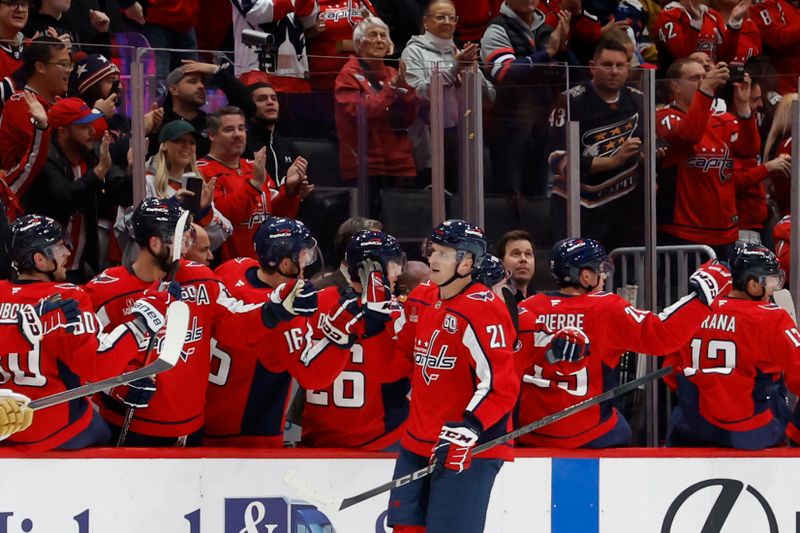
(485, 296)
(607, 139)
(426, 357)
(714, 159)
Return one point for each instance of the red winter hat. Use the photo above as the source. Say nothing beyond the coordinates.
(71, 111)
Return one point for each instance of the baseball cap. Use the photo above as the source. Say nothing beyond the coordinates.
(71, 111)
(173, 130)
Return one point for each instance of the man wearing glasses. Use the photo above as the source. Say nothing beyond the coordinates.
(24, 133)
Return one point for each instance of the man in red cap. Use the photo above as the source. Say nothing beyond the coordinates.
(74, 180)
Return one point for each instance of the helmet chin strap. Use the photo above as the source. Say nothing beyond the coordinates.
(455, 275)
(49, 273)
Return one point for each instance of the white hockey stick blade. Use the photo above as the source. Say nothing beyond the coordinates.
(177, 238)
(174, 337)
(325, 502)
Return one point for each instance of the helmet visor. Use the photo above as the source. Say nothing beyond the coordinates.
(605, 269)
(309, 254)
(396, 266)
(774, 281)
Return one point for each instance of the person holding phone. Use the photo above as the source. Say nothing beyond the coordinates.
(172, 173)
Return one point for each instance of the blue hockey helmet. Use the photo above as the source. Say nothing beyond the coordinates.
(491, 272)
(280, 237)
(375, 245)
(155, 217)
(31, 234)
(571, 255)
(754, 261)
(462, 236)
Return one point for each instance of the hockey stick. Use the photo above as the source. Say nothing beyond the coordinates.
(177, 245)
(332, 503)
(174, 336)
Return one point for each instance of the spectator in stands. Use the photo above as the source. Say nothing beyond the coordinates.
(515, 249)
(748, 43)
(331, 39)
(13, 17)
(422, 51)
(689, 26)
(54, 15)
(751, 195)
(166, 24)
(367, 85)
(781, 236)
(779, 21)
(168, 172)
(245, 194)
(287, 22)
(200, 249)
(779, 144)
(474, 18)
(696, 189)
(261, 131)
(513, 47)
(186, 87)
(611, 170)
(68, 187)
(347, 229)
(23, 143)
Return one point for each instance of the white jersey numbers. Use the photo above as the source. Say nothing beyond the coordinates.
(717, 357)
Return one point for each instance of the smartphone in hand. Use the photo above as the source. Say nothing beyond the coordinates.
(194, 183)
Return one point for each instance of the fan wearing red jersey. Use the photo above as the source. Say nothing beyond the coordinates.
(245, 194)
(779, 23)
(696, 185)
(359, 410)
(249, 389)
(175, 414)
(732, 375)
(456, 347)
(554, 380)
(62, 349)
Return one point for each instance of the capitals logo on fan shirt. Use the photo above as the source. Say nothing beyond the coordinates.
(425, 357)
(606, 140)
(714, 159)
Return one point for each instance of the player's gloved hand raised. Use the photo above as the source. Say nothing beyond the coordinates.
(710, 281)
(14, 413)
(136, 394)
(52, 311)
(289, 299)
(569, 344)
(454, 449)
(376, 297)
(342, 326)
(149, 311)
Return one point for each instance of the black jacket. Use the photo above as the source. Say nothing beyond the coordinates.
(280, 152)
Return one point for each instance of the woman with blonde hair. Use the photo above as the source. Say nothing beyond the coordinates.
(169, 172)
(779, 145)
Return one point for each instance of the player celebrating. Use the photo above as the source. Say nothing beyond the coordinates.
(175, 414)
(731, 375)
(249, 389)
(358, 410)
(555, 381)
(455, 345)
(62, 351)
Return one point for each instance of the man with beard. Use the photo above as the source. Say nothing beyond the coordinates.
(70, 181)
(261, 132)
(245, 194)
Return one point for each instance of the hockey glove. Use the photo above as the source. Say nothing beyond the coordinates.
(136, 394)
(377, 295)
(149, 312)
(710, 281)
(14, 413)
(53, 311)
(341, 327)
(569, 344)
(288, 300)
(454, 449)
(305, 303)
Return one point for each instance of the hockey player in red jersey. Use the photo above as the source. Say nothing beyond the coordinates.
(175, 414)
(245, 194)
(358, 410)
(732, 375)
(67, 352)
(553, 382)
(696, 185)
(456, 345)
(249, 389)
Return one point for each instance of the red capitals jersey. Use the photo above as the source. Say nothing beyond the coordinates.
(325, 59)
(473, 17)
(358, 410)
(249, 388)
(60, 361)
(243, 205)
(696, 189)
(676, 38)
(458, 352)
(735, 362)
(749, 43)
(177, 408)
(23, 147)
(779, 23)
(613, 327)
